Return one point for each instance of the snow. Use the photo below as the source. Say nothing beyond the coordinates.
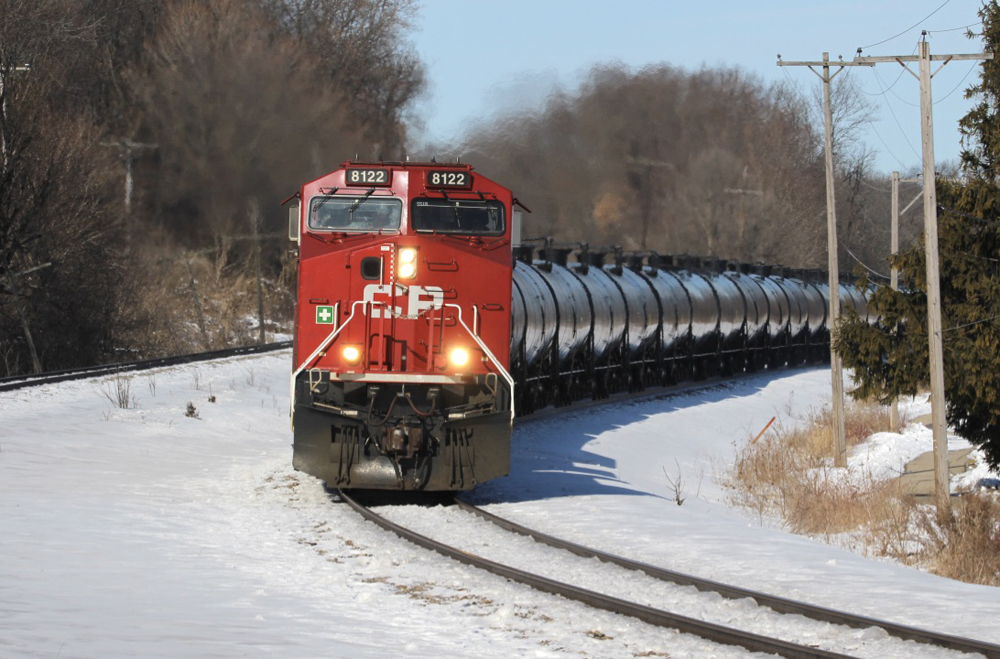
(144, 532)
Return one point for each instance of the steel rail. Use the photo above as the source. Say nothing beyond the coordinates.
(778, 604)
(707, 630)
(50, 377)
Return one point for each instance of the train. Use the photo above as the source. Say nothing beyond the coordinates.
(424, 324)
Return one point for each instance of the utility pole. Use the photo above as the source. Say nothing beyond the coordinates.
(36, 364)
(130, 150)
(894, 273)
(256, 219)
(644, 189)
(938, 425)
(3, 108)
(836, 364)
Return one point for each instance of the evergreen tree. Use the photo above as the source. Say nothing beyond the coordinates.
(890, 357)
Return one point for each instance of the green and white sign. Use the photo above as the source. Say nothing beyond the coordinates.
(324, 315)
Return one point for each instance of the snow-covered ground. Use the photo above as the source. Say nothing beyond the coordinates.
(144, 532)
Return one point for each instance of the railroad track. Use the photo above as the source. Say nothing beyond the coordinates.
(711, 631)
(49, 377)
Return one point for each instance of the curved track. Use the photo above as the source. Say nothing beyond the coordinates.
(778, 604)
(707, 630)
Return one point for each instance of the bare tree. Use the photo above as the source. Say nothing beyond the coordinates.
(229, 99)
(364, 54)
(710, 162)
(55, 196)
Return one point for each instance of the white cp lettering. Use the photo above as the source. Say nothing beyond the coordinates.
(384, 291)
(423, 298)
(420, 299)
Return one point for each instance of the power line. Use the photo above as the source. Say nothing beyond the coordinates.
(981, 220)
(973, 257)
(898, 97)
(865, 266)
(960, 83)
(873, 187)
(879, 136)
(977, 322)
(896, 119)
(883, 92)
(917, 24)
(955, 29)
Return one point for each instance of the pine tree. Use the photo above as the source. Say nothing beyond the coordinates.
(890, 357)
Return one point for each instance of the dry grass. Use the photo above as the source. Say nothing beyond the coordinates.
(965, 547)
(198, 301)
(788, 474)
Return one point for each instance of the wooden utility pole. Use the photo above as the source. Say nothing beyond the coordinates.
(256, 219)
(193, 287)
(894, 273)
(644, 188)
(36, 364)
(3, 108)
(130, 151)
(836, 364)
(938, 425)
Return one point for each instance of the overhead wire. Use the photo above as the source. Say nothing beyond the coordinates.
(971, 257)
(879, 136)
(882, 93)
(960, 82)
(885, 88)
(898, 97)
(976, 322)
(871, 123)
(873, 187)
(955, 29)
(864, 265)
(896, 119)
(917, 24)
(981, 220)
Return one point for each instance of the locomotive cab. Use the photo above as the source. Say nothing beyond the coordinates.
(402, 334)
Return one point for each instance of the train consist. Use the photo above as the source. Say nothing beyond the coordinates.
(423, 325)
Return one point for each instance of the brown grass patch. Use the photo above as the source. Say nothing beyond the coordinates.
(965, 547)
(788, 474)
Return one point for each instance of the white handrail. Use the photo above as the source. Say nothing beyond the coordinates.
(311, 358)
(329, 339)
(503, 371)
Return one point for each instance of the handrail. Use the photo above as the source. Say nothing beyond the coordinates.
(315, 355)
(503, 371)
(329, 339)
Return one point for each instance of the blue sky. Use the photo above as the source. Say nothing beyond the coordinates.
(484, 58)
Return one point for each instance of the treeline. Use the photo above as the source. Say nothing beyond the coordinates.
(712, 162)
(146, 145)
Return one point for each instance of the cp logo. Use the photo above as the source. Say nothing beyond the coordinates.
(419, 299)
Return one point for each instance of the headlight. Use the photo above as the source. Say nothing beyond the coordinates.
(351, 354)
(459, 357)
(407, 263)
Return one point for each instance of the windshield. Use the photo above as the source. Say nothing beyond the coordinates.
(342, 213)
(468, 217)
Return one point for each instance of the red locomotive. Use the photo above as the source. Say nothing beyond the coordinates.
(421, 322)
(402, 337)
